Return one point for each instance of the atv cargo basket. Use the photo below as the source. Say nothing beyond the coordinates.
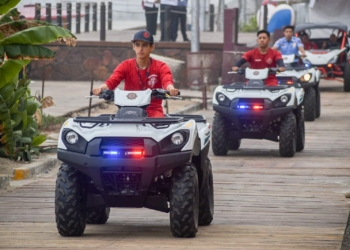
(243, 86)
(112, 119)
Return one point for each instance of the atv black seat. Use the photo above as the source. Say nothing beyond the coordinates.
(197, 118)
(113, 119)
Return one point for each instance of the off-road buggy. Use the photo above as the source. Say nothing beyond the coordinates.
(253, 110)
(309, 79)
(130, 160)
(332, 61)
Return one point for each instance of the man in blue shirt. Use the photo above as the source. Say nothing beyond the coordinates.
(289, 44)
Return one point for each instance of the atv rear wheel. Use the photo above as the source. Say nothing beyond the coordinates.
(219, 135)
(97, 216)
(288, 137)
(300, 134)
(70, 202)
(206, 198)
(234, 144)
(318, 102)
(310, 105)
(347, 77)
(184, 199)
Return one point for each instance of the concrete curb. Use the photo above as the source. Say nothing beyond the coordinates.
(189, 109)
(36, 167)
(192, 108)
(4, 181)
(85, 108)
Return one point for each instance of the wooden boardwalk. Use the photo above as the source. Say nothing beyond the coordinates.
(262, 201)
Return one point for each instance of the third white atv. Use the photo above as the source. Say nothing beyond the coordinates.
(254, 111)
(309, 78)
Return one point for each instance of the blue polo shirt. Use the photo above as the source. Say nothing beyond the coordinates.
(288, 47)
(182, 3)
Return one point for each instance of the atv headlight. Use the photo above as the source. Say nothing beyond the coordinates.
(284, 98)
(306, 78)
(221, 97)
(282, 101)
(72, 137)
(223, 100)
(177, 138)
(73, 141)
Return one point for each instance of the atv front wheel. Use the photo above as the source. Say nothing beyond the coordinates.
(310, 105)
(300, 134)
(288, 136)
(318, 102)
(219, 135)
(234, 144)
(70, 202)
(97, 216)
(184, 199)
(206, 198)
(347, 77)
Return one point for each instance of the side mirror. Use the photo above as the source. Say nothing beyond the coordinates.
(349, 34)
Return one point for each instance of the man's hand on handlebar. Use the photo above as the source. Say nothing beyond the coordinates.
(172, 90)
(235, 68)
(281, 69)
(98, 90)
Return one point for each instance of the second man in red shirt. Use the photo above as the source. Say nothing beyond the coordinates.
(263, 57)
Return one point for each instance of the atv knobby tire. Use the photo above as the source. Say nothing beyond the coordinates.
(70, 202)
(97, 216)
(347, 77)
(318, 102)
(234, 144)
(184, 199)
(300, 134)
(219, 135)
(310, 105)
(206, 198)
(288, 137)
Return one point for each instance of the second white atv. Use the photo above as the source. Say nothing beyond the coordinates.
(254, 111)
(309, 78)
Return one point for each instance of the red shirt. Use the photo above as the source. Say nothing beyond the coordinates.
(262, 61)
(310, 45)
(159, 76)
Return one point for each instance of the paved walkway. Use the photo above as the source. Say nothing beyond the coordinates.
(127, 35)
(262, 201)
(125, 30)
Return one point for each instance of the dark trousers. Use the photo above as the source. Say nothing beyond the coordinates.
(165, 25)
(179, 13)
(151, 19)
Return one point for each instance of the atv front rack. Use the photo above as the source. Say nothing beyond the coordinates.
(113, 119)
(243, 86)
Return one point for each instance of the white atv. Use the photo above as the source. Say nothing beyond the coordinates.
(130, 160)
(254, 111)
(309, 78)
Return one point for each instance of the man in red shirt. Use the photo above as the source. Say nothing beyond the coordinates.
(308, 45)
(142, 72)
(263, 57)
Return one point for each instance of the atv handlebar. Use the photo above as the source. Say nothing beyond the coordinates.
(241, 71)
(157, 93)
